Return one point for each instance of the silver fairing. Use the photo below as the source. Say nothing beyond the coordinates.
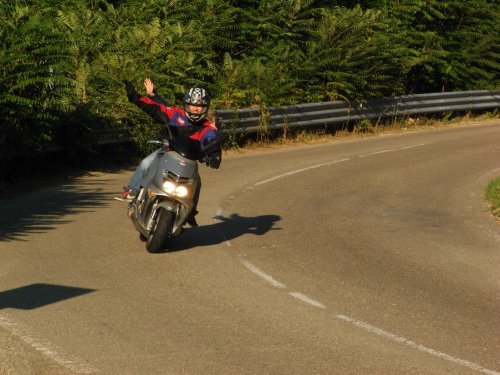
(171, 166)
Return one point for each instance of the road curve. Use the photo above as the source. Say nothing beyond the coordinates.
(372, 255)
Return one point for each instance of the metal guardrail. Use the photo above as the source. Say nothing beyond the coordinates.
(252, 120)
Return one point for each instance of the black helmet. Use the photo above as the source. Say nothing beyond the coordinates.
(198, 97)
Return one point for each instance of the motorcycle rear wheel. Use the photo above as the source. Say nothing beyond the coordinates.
(158, 238)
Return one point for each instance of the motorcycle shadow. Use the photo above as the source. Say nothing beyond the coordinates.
(224, 229)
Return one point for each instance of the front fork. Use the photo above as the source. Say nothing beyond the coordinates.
(180, 211)
(141, 203)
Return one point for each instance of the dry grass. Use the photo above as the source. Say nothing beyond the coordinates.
(365, 128)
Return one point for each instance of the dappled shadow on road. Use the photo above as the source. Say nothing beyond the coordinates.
(225, 229)
(42, 211)
(33, 296)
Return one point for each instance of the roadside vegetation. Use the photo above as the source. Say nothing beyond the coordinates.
(62, 63)
(357, 129)
(492, 194)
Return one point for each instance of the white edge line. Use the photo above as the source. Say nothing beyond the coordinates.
(422, 348)
(45, 347)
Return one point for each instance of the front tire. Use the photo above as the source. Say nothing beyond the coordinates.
(158, 238)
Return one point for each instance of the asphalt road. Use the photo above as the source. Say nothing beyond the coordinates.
(373, 255)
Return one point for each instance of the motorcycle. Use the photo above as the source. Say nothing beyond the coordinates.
(165, 199)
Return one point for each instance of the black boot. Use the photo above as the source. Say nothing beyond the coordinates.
(191, 220)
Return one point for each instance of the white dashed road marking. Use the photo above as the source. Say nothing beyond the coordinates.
(419, 347)
(358, 323)
(262, 275)
(308, 300)
(370, 328)
(300, 171)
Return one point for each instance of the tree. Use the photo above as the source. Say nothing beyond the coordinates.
(33, 78)
(455, 44)
(355, 56)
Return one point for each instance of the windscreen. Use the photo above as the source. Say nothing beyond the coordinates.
(187, 147)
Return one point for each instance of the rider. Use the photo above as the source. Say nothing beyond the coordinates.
(192, 119)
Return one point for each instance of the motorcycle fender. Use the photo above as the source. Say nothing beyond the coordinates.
(168, 205)
(180, 212)
(165, 204)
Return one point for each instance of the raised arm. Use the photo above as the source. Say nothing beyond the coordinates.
(152, 94)
(152, 105)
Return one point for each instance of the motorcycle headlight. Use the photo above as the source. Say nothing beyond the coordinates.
(169, 187)
(180, 191)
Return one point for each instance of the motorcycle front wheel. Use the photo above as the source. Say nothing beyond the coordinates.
(158, 237)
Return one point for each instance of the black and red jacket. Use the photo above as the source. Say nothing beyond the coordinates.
(202, 131)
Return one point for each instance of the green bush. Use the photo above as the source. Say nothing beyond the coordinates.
(62, 63)
(492, 194)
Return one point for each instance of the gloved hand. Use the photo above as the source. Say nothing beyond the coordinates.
(213, 160)
(130, 90)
